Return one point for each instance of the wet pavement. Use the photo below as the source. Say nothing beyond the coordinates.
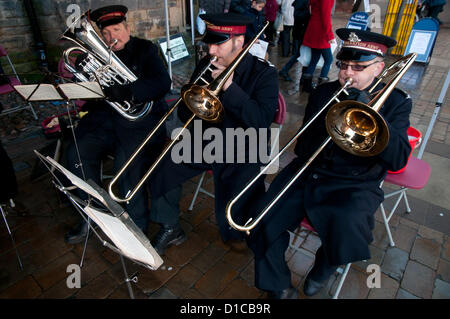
(204, 267)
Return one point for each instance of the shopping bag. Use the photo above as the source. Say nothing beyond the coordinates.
(278, 23)
(201, 26)
(305, 55)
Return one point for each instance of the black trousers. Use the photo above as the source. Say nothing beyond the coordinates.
(97, 137)
(8, 182)
(270, 239)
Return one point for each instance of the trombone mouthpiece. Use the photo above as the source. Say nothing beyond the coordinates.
(114, 41)
(348, 81)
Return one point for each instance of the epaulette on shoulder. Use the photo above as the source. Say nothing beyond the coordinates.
(405, 94)
(265, 62)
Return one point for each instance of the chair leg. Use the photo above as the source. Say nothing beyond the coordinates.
(294, 235)
(341, 281)
(386, 224)
(32, 110)
(199, 185)
(408, 209)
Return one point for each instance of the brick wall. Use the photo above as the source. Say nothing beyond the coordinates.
(145, 17)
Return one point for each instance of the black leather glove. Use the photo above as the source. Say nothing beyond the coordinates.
(357, 95)
(118, 93)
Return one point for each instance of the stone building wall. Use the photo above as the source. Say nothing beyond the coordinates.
(145, 17)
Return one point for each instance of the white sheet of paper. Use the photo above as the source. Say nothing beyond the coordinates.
(82, 90)
(124, 239)
(73, 178)
(420, 42)
(259, 49)
(45, 92)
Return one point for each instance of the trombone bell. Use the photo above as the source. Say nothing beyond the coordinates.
(202, 102)
(357, 128)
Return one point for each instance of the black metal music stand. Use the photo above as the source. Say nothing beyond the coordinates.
(143, 253)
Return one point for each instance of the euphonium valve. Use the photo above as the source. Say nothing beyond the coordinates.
(101, 64)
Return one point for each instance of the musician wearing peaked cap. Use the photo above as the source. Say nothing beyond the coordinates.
(250, 99)
(103, 131)
(339, 192)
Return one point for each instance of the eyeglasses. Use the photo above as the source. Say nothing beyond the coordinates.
(355, 67)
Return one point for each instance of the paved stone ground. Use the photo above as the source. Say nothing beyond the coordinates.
(203, 267)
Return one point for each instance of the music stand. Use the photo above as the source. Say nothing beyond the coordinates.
(66, 92)
(126, 238)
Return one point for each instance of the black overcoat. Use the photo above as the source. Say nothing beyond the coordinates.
(249, 102)
(341, 191)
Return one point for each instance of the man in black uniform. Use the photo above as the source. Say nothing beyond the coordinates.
(339, 192)
(250, 98)
(103, 131)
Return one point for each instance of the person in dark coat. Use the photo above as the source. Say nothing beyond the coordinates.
(103, 131)
(8, 182)
(270, 10)
(434, 8)
(214, 6)
(339, 192)
(240, 6)
(250, 99)
(301, 18)
(256, 12)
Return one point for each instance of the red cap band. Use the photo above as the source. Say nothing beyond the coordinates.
(229, 29)
(366, 46)
(110, 16)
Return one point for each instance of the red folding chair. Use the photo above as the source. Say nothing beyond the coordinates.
(414, 175)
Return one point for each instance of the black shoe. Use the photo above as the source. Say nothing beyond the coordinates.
(322, 80)
(166, 237)
(77, 234)
(285, 76)
(319, 274)
(311, 287)
(307, 83)
(288, 293)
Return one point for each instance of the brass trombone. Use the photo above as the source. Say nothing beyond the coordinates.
(202, 101)
(355, 127)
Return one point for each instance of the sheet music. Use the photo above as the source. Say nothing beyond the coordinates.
(73, 178)
(124, 239)
(259, 49)
(48, 92)
(82, 90)
(45, 92)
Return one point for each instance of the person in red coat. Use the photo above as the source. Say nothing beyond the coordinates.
(270, 9)
(319, 36)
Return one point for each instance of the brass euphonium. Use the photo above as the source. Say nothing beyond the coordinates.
(101, 64)
(355, 127)
(203, 103)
